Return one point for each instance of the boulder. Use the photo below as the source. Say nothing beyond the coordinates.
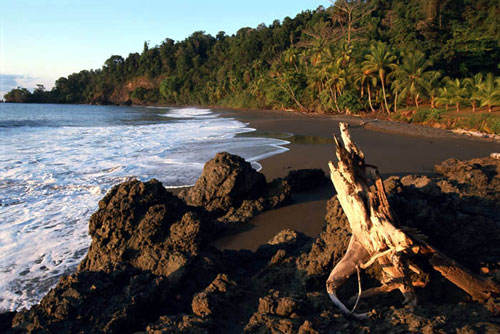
(230, 189)
(226, 181)
(143, 225)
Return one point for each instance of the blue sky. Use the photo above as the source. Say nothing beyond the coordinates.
(43, 40)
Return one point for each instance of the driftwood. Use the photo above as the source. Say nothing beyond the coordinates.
(377, 237)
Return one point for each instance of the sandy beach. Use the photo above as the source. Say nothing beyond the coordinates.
(396, 148)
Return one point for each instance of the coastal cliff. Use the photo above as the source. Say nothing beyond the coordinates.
(151, 267)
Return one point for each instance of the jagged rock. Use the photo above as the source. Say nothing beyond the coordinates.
(307, 328)
(144, 225)
(233, 191)
(476, 177)
(226, 181)
(275, 304)
(274, 195)
(286, 240)
(97, 302)
(306, 179)
(215, 297)
(150, 268)
(331, 244)
(185, 324)
(463, 227)
(143, 241)
(276, 313)
(286, 237)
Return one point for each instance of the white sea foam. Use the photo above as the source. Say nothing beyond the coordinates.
(190, 113)
(51, 179)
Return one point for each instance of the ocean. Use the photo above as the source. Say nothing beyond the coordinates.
(58, 161)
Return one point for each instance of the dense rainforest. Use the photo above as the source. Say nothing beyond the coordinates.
(355, 55)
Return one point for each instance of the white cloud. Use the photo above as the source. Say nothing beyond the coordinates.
(10, 81)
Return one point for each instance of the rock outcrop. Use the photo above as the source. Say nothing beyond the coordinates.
(145, 243)
(231, 190)
(226, 181)
(151, 269)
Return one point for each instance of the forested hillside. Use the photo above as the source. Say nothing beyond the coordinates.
(352, 56)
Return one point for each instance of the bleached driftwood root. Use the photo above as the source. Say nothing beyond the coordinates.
(376, 237)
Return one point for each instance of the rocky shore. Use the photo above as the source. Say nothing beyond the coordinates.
(151, 267)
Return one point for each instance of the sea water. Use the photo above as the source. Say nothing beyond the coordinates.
(57, 161)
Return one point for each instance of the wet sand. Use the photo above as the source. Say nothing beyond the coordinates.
(397, 149)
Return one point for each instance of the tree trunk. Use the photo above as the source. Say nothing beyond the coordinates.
(383, 92)
(332, 92)
(375, 236)
(396, 102)
(370, 98)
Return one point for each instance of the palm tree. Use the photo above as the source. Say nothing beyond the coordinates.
(290, 56)
(472, 86)
(457, 93)
(431, 85)
(396, 88)
(380, 60)
(362, 79)
(317, 77)
(443, 96)
(336, 81)
(488, 92)
(411, 76)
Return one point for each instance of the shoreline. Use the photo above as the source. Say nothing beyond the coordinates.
(406, 150)
(150, 249)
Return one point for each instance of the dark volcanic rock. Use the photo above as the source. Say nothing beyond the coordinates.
(476, 177)
(143, 225)
(226, 181)
(233, 191)
(276, 314)
(306, 179)
(96, 302)
(150, 268)
(144, 240)
(215, 297)
(331, 244)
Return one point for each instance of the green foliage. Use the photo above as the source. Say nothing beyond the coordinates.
(355, 55)
(420, 116)
(483, 122)
(350, 100)
(380, 62)
(423, 115)
(18, 95)
(139, 93)
(488, 92)
(412, 77)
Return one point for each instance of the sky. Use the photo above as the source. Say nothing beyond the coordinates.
(42, 40)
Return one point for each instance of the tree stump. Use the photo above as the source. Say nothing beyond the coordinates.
(376, 235)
